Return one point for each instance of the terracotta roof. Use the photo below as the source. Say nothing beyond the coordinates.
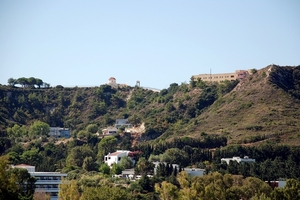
(112, 78)
(114, 154)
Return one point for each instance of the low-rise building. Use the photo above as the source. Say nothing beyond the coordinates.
(60, 132)
(109, 131)
(238, 159)
(195, 171)
(115, 157)
(122, 122)
(47, 182)
(237, 75)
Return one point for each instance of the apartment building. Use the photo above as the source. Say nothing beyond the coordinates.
(47, 182)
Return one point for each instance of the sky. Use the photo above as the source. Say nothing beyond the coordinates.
(158, 42)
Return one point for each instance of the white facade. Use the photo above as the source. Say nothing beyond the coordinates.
(115, 157)
(47, 182)
(237, 159)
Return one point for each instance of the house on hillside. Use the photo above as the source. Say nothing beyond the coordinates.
(122, 122)
(115, 157)
(109, 131)
(60, 132)
(238, 159)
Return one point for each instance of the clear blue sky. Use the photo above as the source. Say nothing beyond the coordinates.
(158, 42)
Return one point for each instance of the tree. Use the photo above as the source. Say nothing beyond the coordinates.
(78, 154)
(106, 145)
(116, 169)
(178, 156)
(167, 191)
(39, 128)
(292, 189)
(135, 120)
(8, 186)
(69, 190)
(105, 192)
(126, 162)
(192, 82)
(88, 164)
(32, 157)
(92, 128)
(22, 81)
(144, 167)
(12, 81)
(25, 183)
(17, 131)
(38, 82)
(31, 81)
(105, 169)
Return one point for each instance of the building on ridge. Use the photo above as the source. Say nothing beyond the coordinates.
(112, 82)
(237, 75)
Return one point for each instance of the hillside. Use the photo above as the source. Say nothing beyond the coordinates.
(264, 107)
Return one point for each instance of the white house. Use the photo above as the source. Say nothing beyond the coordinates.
(47, 182)
(115, 157)
(238, 159)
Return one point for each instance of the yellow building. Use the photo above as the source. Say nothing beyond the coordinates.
(238, 74)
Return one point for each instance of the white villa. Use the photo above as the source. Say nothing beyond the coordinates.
(47, 182)
(238, 159)
(115, 157)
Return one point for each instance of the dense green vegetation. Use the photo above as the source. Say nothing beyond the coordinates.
(193, 125)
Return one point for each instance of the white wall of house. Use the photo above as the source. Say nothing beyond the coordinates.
(115, 157)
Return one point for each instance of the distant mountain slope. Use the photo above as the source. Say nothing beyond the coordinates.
(266, 105)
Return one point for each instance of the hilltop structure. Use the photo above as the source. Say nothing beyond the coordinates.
(237, 75)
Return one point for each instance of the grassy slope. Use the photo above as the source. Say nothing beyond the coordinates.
(255, 107)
